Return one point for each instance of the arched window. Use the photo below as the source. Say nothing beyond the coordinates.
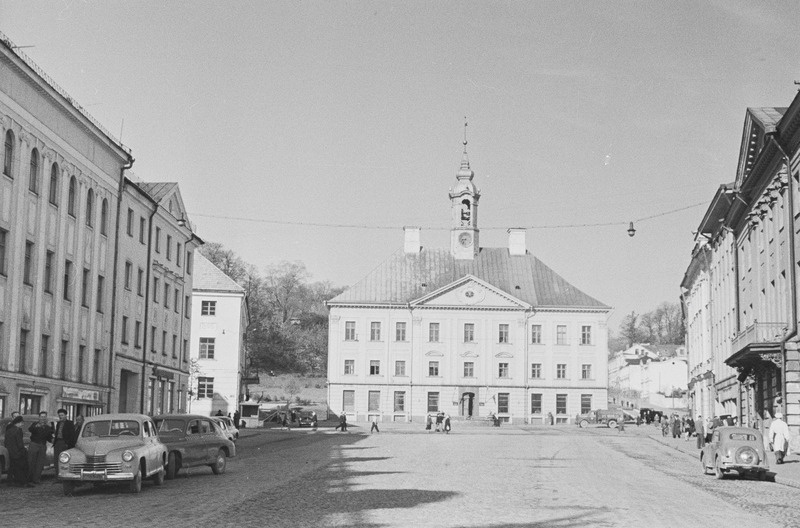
(33, 182)
(54, 184)
(104, 217)
(71, 197)
(89, 208)
(9, 156)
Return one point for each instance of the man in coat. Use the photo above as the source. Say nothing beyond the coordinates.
(18, 465)
(41, 433)
(64, 435)
(779, 436)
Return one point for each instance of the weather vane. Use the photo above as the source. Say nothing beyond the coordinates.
(465, 131)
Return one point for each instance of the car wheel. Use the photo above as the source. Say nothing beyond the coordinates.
(69, 488)
(218, 467)
(172, 466)
(158, 478)
(717, 470)
(703, 464)
(612, 424)
(136, 483)
(584, 424)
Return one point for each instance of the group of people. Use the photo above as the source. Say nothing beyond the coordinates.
(26, 464)
(442, 421)
(236, 417)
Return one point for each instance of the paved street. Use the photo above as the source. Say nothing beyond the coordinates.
(476, 476)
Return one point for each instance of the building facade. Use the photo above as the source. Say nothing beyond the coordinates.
(468, 330)
(217, 350)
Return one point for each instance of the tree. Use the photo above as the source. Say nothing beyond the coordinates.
(629, 329)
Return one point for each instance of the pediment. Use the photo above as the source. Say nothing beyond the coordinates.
(470, 354)
(504, 355)
(434, 353)
(470, 291)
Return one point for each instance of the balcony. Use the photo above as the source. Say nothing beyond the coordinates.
(757, 341)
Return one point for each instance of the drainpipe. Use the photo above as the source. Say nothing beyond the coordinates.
(411, 368)
(147, 299)
(111, 348)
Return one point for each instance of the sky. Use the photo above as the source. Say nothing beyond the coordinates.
(314, 131)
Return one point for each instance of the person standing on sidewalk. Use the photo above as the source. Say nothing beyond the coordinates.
(374, 425)
(701, 431)
(63, 436)
(41, 433)
(18, 465)
(779, 437)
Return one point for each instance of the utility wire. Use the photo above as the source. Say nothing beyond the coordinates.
(393, 228)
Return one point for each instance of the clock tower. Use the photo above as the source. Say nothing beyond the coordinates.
(464, 198)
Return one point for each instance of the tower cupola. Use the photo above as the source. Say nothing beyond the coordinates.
(464, 198)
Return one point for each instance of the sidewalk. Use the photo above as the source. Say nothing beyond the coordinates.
(787, 473)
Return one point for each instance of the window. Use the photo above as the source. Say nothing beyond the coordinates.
(208, 308)
(400, 332)
(101, 286)
(178, 250)
(140, 282)
(205, 387)
(81, 361)
(23, 351)
(349, 366)
(586, 371)
(48, 271)
(586, 335)
(375, 331)
(155, 290)
(536, 370)
(124, 329)
(9, 154)
(207, 345)
(561, 404)
(33, 179)
(27, 267)
(536, 334)
(184, 350)
(137, 331)
(3, 238)
(349, 400)
(128, 275)
(433, 368)
(96, 366)
(400, 368)
(158, 240)
(164, 343)
(142, 230)
(90, 208)
(104, 217)
(433, 402)
(433, 332)
(129, 227)
(399, 401)
(174, 346)
(45, 353)
(350, 331)
(166, 295)
(176, 301)
(469, 369)
(67, 280)
(153, 331)
(503, 334)
(469, 332)
(586, 403)
(374, 367)
(502, 402)
(85, 289)
(64, 349)
(536, 404)
(169, 247)
(374, 401)
(187, 305)
(502, 370)
(71, 196)
(189, 262)
(54, 184)
(561, 334)
(561, 371)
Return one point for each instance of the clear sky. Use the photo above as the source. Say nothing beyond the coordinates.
(352, 113)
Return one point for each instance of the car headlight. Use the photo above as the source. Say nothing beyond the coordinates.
(63, 457)
(127, 456)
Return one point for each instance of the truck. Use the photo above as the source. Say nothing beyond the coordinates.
(607, 417)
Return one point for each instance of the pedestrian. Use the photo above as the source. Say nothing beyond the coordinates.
(342, 423)
(64, 436)
(676, 426)
(374, 425)
(439, 420)
(41, 433)
(701, 431)
(219, 412)
(428, 423)
(779, 437)
(236, 417)
(709, 429)
(447, 424)
(18, 455)
(284, 421)
(549, 418)
(313, 420)
(78, 425)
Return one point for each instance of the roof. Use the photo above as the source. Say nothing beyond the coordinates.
(209, 277)
(157, 190)
(403, 278)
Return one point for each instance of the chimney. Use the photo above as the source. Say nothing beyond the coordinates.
(411, 245)
(516, 241)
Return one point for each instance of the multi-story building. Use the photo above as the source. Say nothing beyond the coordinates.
(217, 350)
(466, 330)
(647, 375)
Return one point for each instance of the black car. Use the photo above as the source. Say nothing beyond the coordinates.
(307, 419)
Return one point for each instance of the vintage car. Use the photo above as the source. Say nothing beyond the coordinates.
(306, 419)
(29, 419)
(609, 418)
(226, 424)
(114, 448)
(193, 440)
(735, 448)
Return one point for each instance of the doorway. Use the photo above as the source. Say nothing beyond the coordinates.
(467, 404)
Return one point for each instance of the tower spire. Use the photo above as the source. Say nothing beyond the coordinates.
(465, 171)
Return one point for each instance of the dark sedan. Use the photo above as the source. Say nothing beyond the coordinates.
(193, 440)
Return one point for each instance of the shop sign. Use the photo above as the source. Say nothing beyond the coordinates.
(80, 394)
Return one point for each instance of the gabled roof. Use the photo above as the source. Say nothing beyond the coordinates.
(758, 122)
(403, 278)
(208, 277)
(157, 190)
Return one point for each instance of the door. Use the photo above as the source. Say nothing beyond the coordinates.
(195, 445)
(467, 402)
(210, 441)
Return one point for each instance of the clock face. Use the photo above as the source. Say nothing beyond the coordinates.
(465, 239)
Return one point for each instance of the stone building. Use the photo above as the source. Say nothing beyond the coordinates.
(467, 330)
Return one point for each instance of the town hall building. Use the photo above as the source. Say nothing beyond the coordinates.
(468, 330)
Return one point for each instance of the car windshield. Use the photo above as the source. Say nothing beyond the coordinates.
(743, 436)
(170, 425)
(111, 428)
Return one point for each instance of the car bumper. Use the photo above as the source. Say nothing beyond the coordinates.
(739, 467)
(95, 476)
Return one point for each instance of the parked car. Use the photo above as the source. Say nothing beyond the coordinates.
(735, 448)
(114, 448)
(193, 440)
(605, 417)
(29, 419)
(306, 419)
(226, 424)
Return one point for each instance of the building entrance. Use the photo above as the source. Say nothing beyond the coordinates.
(467, 403)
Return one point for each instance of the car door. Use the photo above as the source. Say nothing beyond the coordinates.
(152, 445)
(210, 441)
(195, 445)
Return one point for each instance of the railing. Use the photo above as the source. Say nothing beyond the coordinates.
(758, 333)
